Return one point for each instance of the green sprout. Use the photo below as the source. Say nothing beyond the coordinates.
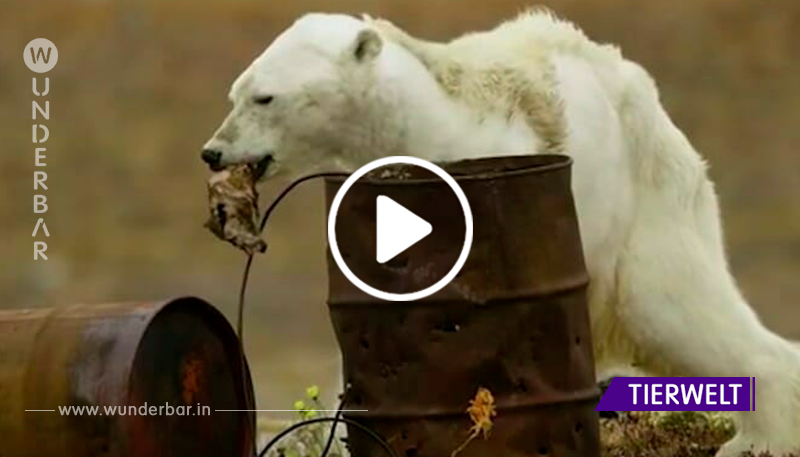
(313, 393)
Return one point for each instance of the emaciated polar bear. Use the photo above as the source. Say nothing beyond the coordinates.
(334, 92)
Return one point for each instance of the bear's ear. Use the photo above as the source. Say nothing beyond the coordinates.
(368, 45)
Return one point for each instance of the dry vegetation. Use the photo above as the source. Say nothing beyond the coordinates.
(681, 434)
(139, 86)
(631, 434)
(664, 434)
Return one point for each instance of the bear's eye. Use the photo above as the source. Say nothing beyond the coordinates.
(263, 100)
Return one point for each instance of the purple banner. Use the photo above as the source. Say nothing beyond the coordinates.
(678, 394)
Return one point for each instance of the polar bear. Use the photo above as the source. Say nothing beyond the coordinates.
(334, 92)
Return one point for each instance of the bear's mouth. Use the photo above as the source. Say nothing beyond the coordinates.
(260, 168)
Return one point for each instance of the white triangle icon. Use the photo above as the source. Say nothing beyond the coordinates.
(398, 229)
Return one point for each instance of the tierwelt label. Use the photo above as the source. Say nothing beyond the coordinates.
(679, 394)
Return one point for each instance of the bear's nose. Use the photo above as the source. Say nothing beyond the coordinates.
(211, 157)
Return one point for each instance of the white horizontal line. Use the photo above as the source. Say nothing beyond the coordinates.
(257, 410)
(293, 410)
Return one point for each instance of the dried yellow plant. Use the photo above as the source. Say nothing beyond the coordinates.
(481, 411)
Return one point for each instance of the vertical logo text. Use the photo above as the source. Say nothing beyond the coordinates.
(40, 56)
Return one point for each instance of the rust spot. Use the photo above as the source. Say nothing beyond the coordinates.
(191, 371)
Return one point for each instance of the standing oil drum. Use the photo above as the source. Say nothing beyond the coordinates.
(63, 369)
(513, 321)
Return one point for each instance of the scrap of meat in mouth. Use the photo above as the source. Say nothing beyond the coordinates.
(233, 204)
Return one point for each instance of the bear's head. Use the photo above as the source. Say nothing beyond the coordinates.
(308, 101)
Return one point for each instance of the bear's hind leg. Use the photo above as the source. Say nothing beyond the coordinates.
(682, 311)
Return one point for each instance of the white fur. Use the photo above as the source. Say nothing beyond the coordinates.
(661, 297)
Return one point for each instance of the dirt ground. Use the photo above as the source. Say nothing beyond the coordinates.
(140, 85)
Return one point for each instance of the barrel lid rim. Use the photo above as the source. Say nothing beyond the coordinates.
(207, 309)
(550, 163)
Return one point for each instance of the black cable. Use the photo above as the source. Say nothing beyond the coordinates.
(336, 417)
(289, 188)
(384, 445)
(262, 225)
(243, 291)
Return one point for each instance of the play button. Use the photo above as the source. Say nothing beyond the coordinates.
(397, 229)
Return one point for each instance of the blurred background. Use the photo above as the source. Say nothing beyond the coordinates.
(140, 85)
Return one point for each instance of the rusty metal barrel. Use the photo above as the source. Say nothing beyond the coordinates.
(137, 358)
(514, 320)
